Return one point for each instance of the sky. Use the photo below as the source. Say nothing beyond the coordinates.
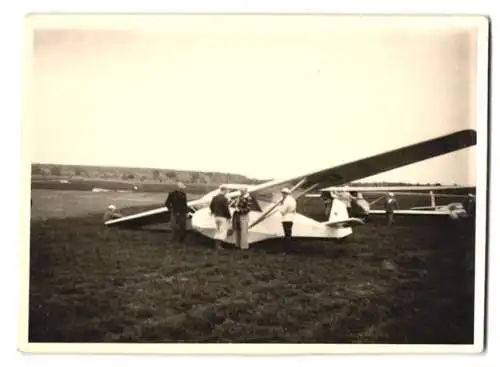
(267, 97)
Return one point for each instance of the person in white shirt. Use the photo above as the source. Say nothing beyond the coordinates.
(287, 210)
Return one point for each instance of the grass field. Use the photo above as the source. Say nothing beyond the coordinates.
(412, 283)
(62, 204)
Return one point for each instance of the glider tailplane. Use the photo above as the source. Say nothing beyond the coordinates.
(339, 216)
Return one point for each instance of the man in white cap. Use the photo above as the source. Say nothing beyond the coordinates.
(288, 209)
(219, 208)
(177, 205)
(111, 213)
(390, 205)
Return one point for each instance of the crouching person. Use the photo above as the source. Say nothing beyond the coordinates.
(219, 208)
(111, 214)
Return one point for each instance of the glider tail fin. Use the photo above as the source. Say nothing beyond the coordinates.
(339, 216)
(338, 211)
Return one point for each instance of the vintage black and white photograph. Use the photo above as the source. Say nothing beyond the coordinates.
(255, 179)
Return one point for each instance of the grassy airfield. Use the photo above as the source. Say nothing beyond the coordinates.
(412, 283)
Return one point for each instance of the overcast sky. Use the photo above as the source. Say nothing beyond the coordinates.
(266, 97)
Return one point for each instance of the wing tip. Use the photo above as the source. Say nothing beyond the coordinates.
(469, 136)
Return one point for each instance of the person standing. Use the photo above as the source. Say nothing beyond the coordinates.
(469, 205)
(390, 205)
(288, 209)
(242, 215)
(177, 205)
(327, 198)
(219, 208)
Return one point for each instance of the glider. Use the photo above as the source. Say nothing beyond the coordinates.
(265, 220)
(454, 210)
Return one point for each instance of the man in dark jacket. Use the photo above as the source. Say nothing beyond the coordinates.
(177, 205)
(219, 208)
(327, 198)
(390, 206)
(470, 205)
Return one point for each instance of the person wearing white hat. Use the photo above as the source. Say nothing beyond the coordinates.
(111, 213)
(219, 208)
(177, 205)
(390, 205)
(287, 209)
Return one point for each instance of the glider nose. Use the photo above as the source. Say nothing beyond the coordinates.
(196, 219)
(201, 220)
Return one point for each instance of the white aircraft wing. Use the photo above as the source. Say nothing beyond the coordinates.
(153, 216)
(384, 189)
(233, 186)
(426, 194)
(413, 212)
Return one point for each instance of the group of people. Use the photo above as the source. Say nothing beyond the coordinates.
(357, 206)
(225, 222)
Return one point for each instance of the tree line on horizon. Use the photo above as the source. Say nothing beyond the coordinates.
(139, 175)
(152, 175)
